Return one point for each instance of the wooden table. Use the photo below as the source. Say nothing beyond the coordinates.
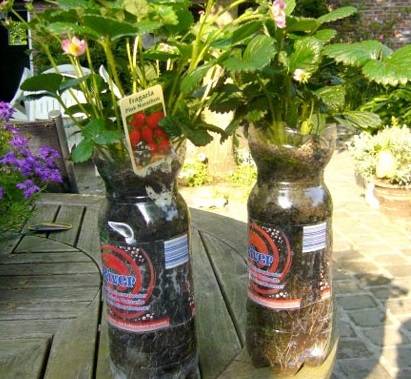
(51, 315)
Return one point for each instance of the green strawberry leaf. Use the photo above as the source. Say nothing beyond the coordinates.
(356, 54)
(43, 82)
(337, 14)
(392, 70)
(83, 151)
(258, 54)
(306, 55)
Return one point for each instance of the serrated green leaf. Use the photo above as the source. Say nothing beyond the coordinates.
(170, 125)
(290, 6)
(185, 20)
(258, 54)
(231, 128)
(301, 24)
(83, 151)
(199, 137)
(325, 35)
(337, 14)
(61, 27)
(67, 4)
(191, 81)
(333, 97)
(357, 119)
(97, 131)
(138, 8)
(392, 70)
(109, 27)
(72, 82)
(43, 82)
(76, 108)
(306, 55)
(356, 54)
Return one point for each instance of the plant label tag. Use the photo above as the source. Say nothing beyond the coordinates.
(141, 114)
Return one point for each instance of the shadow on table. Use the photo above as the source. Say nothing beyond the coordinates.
(366, 332)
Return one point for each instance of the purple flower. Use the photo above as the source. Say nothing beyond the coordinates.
(9, 159)
(1, 192)
(6, 111)
(48, 153)
(28, 187)
(18, 141)
(47, 174)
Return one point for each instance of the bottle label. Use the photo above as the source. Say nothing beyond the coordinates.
(148, 286)
(288, 267)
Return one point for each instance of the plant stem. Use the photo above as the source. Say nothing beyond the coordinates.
(112, 64)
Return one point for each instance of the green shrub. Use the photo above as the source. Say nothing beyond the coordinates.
(194, 174)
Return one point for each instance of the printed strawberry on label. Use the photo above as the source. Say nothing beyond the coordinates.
(147, 135)
(153, 119)
(134, 138)
(163, 146)
(138, 120)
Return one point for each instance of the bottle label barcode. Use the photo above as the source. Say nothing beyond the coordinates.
(176, 251)
(314, 237)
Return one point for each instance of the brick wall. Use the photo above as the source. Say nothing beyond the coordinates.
(386, 11)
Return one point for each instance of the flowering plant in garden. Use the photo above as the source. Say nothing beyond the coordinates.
(23, 173)
(144, 43)
(384, 156)
(279, 69)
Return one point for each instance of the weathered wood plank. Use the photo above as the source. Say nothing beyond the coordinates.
(218, 340)
(231, 272)
(72, 280)
(22, 359)
(89, 238)
(49, 294)
(47, 269)
(71, 215)
(65, 257)
(241, 368)
(8, 243)
(72, 199)
(34, 244)
(42, 213)
(103, 370)
(36, 310)
(41, 315)
(73, 348)
(28, 328)
(227, 229)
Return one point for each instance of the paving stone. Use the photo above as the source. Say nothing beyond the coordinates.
(399, 270)
(398, 356)
(339, 274)
(399, 306)
(388, 260)
(363, 368)
(368, 318)
(369, 280)
(350, 302)
(359, 266)
(346, 287)
(345, 329)
(386, 336)
(403, 374)
(352, 348)
(346, 255)
(388, 292)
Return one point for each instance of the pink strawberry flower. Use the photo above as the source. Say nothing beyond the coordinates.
(278, 13)
(74, 46)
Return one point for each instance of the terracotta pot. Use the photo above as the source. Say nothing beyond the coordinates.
(394, 200)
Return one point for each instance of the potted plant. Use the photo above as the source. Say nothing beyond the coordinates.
(140, 106)
(23, 173)
(282, 90)
(383, 161)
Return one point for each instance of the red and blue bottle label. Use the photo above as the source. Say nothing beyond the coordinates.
(286, 266)
(148, 286)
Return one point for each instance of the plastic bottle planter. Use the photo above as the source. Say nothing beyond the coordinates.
(290, 306)
(147, 275)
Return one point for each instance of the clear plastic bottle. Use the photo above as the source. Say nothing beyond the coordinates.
(290, 305)
(147, 276)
